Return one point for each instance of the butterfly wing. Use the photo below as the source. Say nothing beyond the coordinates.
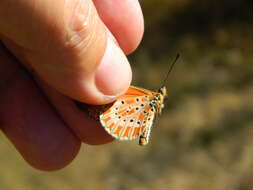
(145, 135)
(130, 116)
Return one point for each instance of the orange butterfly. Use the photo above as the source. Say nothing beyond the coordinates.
(133, 114)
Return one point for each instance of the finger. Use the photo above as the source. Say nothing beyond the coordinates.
(86, 128)
(67, 46)
(124, 19)
(30, 123)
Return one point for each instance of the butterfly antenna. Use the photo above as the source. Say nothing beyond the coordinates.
(170, 69)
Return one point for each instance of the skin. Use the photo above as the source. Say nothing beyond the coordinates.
(64, 52)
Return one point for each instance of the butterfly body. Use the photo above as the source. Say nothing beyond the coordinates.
(132, 115)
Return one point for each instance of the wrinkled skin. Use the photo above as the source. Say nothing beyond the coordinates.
(64, 52)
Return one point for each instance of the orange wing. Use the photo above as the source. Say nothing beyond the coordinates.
(130, 116)
(136, 91)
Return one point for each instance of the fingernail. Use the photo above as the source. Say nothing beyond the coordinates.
(114, 74)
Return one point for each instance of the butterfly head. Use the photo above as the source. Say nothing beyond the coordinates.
(163, 91)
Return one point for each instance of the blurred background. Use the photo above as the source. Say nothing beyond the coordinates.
(204, 138)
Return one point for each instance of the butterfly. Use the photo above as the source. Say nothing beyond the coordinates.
(133, 114)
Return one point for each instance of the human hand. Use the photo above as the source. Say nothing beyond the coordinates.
(69, 55)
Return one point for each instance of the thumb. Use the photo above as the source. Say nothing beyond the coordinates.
(66, 45)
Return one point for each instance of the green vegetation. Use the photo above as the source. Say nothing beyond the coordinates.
(204, 138)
